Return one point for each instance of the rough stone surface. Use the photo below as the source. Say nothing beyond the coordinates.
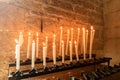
(25, 16)
(112, 29)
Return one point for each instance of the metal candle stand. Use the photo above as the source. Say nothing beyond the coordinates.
(46, 70)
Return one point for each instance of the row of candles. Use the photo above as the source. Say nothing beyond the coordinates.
(62, 51)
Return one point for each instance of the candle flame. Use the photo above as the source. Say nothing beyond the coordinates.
(75, 42)
(37, 34)
(91, 27)
(61, 27)
(43, 44)
(29, 33)
(16, 41)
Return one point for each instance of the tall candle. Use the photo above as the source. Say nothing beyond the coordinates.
(63, 58)
(84, 53)
(78, 35)
(44, 54)
(67, 43)
(71, 40)
(61, 31)
(54, 53)
(17, 56)
(46, 44)
(86, 41)
(70, 51)
(92, 32)
(28, 46)
(37, 43)
(76, 51)
(21, 38)
(33, 55)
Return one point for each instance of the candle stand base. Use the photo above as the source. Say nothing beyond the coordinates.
(46, 69)
(33, 71)
(56, 68)
(17, 74)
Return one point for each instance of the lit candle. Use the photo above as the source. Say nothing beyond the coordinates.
(61, 31)
(17, 55)
(76, 51)
(63, 58)
(70, 51)
(54, 53)
(84, 53)
(28, 47)
(21, 38)
(33, 55)
(92, 32)
(78, 36)
(37, 43)
(44, 54)
(71, 40)
(67, 43)
(86, 41)
(46, 44)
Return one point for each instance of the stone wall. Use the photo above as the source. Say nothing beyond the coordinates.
(26, 16)
(112, 29)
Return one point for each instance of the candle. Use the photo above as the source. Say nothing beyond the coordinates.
(61, 31)
(37, 43)
(67, 43)
(92, 32)
(86, 41)
(63, 58)
(83, 40)
(70, 43)
(71, 40)
(46, 44)
(54, 53)
(44, 54)
(21, 38)
(28, 47)
(78, 36)
(76, 51)
(33, 55)
(17, 56)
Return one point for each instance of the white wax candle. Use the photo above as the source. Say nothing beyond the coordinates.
(92, 32)
(17, 56)
(67, 43)
(44, 54)
(70, 51)
(63, 58)
(86, 41)
(84, 53)
(28, 46)
(76, 51)
(54, 53)
(71, 40)
(90, 53)
(21, 38)
(78, 35)
(33, 55)
(37, 43)
(46, 44)
(61, 31)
